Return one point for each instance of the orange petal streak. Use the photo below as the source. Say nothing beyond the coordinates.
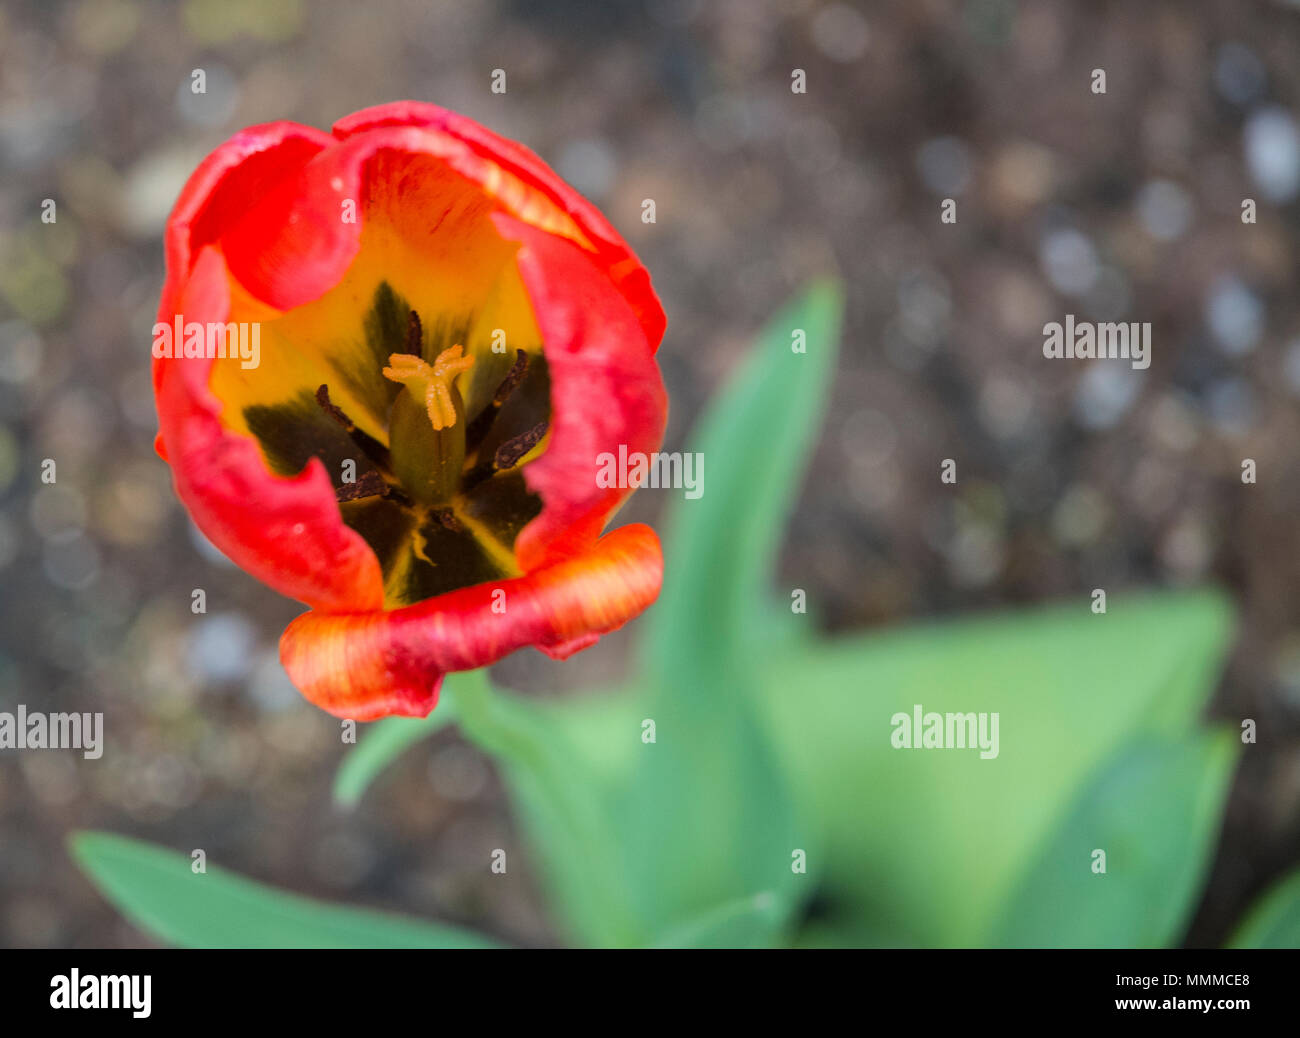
(368, 665)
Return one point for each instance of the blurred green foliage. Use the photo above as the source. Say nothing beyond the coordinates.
(160, 893)
(772, 747)
(1274, 922)
(385, 741)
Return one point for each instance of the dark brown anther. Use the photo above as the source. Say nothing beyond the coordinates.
(446, 518)
(369, 484)
(414, 335)
(372, 484)
(327, 405)
(513, 377)
(482, 422)
(509, 453)
(367, 444)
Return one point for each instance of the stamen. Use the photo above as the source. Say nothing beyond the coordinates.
(367, 444)
(369, 484)
(446, 518)
(509, 453)
(430, 383)
(414, 335)
(513, 377)
(505, 457)
(372, 484)
(478, 428)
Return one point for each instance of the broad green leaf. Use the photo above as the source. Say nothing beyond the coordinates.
(709, 816)
(1155, 809)
(923, 845)
(754, 439)
(382, 743)
(639, 840)
(664, 831)
(745, 923)
(157, 891)
(1274, 921)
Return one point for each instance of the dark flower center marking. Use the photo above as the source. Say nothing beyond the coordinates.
(443, 500)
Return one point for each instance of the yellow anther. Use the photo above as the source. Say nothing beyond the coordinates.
(431, 382)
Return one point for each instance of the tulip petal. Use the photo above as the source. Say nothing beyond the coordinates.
(606, 392)
(329, 245)
(368, 665)
(249, 165)
(286, 532)
(614, 256)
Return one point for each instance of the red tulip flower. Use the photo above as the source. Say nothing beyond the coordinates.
(444, 339)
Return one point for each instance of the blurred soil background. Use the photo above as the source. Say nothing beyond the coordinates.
(1122, 206)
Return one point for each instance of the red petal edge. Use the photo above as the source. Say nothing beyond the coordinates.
(615, 258)
(369, 665)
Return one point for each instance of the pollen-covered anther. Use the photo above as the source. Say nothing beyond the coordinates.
(431, 383)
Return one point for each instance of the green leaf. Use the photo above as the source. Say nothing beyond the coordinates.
(708, 815)
(383, 742)
(1154, 808)
(922, 846)
(157, 891)
(1274, 921)
(744, 923)
(563, 801)
(639, 839)
(754, 439)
